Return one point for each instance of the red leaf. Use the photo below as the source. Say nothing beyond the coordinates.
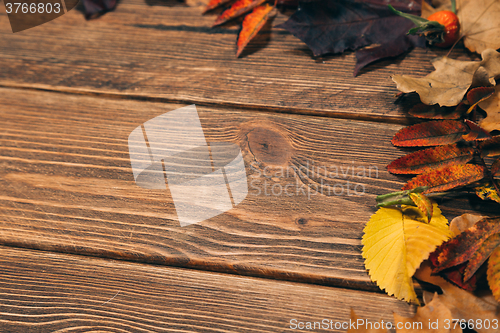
(432, 133)
(464, 246)
(456, 274)
(431, 158)
(481, 255)
(252, 24)
(447, 178)
(476, 132)
(238, 8)
(214, 4)
(477, 95)
(435, 111)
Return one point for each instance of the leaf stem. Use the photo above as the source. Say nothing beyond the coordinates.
(453, 6)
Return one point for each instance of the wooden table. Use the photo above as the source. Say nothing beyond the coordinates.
(84, 249)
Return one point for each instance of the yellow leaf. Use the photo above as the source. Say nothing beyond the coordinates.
(396, 241)
(479, 24)
(448, 84)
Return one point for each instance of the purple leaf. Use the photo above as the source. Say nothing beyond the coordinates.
(333, 26)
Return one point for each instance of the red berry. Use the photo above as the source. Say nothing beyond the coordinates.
(451, 26)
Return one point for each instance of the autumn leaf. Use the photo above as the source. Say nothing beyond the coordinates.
(252, 24)
(480, 24)
(487, 191)
(478, 95)
(396, 241)
(463, 222)
(238, 8)
(426, 316)
(423, 203)
(431, 158)
(492, 108)
(493, 273)
(463, 304)
(333, 26)
(463, 247)
(432, 133)
(212, 4)
(476, 132)
(435, 111)
(447, 178)
(450, 81)
(490, 147)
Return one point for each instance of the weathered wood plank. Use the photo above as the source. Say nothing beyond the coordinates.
(171, 54)
(66, 184)
(47, 292)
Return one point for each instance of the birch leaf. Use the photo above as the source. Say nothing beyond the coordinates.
(396, 241)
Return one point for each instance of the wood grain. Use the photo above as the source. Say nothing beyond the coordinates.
(170, 54)
(47, 292)
(66, 184)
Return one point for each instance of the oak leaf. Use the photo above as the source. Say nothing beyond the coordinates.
(479, 24)
(426, 316)
(452, 78)
(492, 108)
(396, 241)
(463, 304)
(447, 178)
(431, 158)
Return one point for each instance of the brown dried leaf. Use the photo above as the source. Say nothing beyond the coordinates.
(479, 24)
(447, 178)
(463, 304)
(492, 108)
(463, 222)
(426, 317)
(450, 81)
(490, 147)
(427, 159)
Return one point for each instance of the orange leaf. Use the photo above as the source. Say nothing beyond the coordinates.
(464, 246)
(431, 158)
(447, 178)
(431, 133)
(476, 132)
(214, 4)
(252, 24)
(238, 8)
(494, 273)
